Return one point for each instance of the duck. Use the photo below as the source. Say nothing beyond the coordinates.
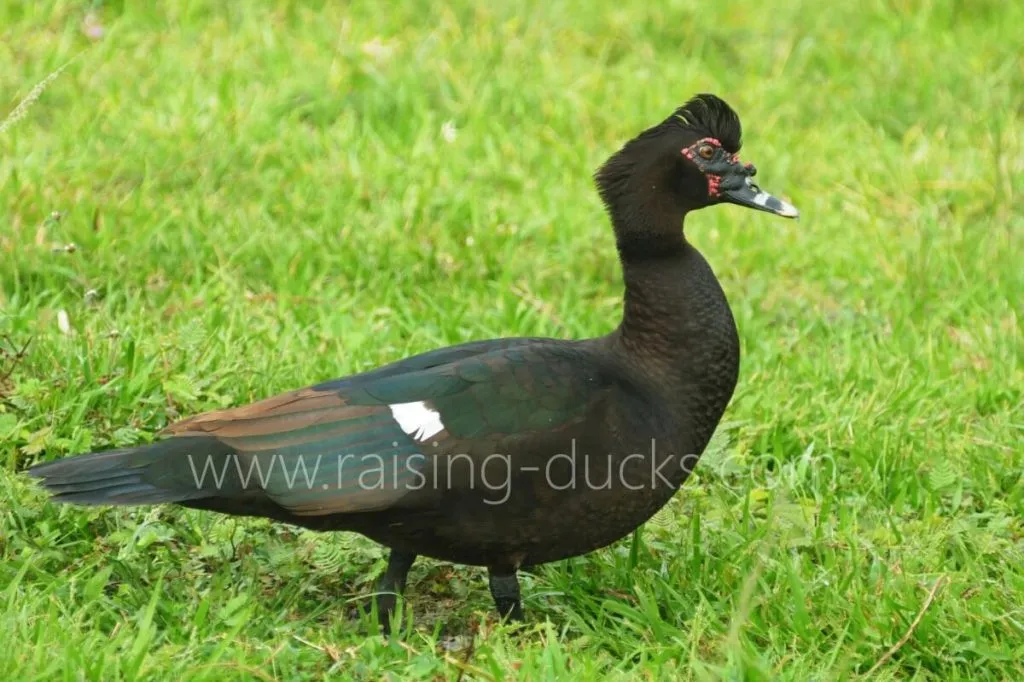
(503, 453)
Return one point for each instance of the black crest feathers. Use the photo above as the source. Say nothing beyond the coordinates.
(712, 117)
(705, 115)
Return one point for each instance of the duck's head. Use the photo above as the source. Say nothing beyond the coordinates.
(688, 161)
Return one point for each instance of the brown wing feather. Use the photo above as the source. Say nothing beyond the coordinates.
(285, 412)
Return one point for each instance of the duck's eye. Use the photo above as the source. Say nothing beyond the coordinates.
(706, 151)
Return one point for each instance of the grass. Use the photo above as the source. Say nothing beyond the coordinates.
(215, 202)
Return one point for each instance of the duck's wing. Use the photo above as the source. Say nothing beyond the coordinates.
(350, 446)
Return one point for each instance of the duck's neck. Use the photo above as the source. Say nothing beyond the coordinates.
(676, 320)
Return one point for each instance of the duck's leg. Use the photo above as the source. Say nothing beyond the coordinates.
(392, 584)
(504, 584)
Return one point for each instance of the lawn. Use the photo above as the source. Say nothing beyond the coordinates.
(214, 202)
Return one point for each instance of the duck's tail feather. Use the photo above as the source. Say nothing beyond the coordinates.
(150, 474)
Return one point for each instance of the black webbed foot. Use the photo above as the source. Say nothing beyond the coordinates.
(504, 584)
(390, 586)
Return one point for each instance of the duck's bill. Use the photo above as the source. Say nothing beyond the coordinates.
(752, 196)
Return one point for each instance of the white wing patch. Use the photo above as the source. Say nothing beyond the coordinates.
(417, 420)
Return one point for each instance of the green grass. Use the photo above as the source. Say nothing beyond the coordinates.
(261, 197)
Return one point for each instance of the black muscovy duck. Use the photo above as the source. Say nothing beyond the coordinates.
(504, 453)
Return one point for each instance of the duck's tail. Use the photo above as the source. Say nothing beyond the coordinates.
(150, 474)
